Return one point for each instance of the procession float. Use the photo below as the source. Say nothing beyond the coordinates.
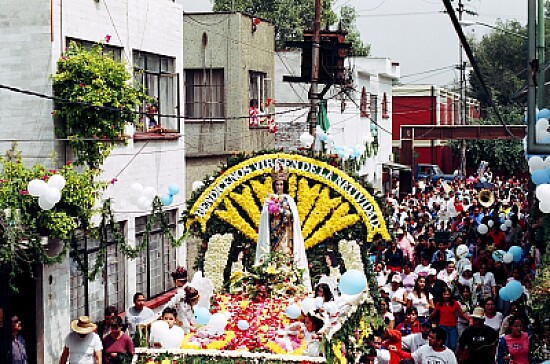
(273, 225)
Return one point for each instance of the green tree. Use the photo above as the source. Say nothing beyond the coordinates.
(501, 56)
(348, 16)
(290, 17)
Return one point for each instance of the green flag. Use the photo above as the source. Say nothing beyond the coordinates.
(322, 117)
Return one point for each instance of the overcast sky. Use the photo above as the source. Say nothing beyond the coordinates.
(416, 33)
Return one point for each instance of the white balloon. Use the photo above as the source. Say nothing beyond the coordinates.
(546, 163)
(507, 258)
(136, 189)
(319, 302)
(45, 204)
(542, 125)
(159, 330)
(149, 192)
(57, 181)
(134, 199)
(143, 203)
(330, 139)
(308, 305)
(543, 191)
(544, 206)
(368, 138)
(508, 223)
(535, 163)
(482, 229)
(197, 185)
(217, 322)
(360, 148)
(306, 139)
(173, 339)
(490, 223)
(52, 195)
(37, 187)
(503, 227)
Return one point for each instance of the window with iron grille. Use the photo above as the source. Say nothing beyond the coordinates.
(204, 94)
(158, 260)
(157, 74)
(91, 297)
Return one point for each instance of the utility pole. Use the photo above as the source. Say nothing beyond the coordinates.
(541, 102)
(462, 67)
(315, 56)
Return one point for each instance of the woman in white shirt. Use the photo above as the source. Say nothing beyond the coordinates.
(421, 299)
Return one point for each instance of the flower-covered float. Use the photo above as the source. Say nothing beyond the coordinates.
(263, 303)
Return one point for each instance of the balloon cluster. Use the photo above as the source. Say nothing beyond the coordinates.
(216, 323)
(511, 292)
(350, 152)
(160, 332)
(540, 175)
(543, 136)
(168, 197)
(514, 254)
(48, 193)
(142, 197)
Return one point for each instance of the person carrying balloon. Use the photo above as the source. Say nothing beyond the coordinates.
(170, 335)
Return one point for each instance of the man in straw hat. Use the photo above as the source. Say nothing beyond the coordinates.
(82, 345)
(478, 343)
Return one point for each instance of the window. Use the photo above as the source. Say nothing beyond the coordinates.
(157, 74)
(374, 107)
(363, 104)
(158, 260)
(111, 51)
(385, 113)
(91, 297)
(204, 94)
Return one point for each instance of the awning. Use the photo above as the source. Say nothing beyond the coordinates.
(396, 166)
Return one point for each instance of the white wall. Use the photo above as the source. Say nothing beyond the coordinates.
(31, 45)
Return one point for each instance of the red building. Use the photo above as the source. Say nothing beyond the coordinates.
(429, 105)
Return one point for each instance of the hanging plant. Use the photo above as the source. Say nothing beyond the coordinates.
(97, 99)
(24, 224)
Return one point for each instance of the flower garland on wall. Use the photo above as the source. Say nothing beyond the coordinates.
(215, 258)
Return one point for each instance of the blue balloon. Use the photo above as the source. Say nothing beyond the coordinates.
(166, 200)
(201, 315)
(323, 137)
(514, 290)
(546, 140)
(539, 177)
(352, 282)
(503, 294)
(243, 325)
(173, 189)
(517, 252)
(498, 255)
(544, 113)
(293, 311)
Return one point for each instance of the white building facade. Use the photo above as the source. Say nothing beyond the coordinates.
(358, 114)
(147, 35)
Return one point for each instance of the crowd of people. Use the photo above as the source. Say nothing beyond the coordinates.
(439, 279)
(439, 282)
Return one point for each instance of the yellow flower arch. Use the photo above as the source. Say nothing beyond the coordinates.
(320, 215)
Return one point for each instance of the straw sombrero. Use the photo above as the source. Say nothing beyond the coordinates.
(83, 325)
